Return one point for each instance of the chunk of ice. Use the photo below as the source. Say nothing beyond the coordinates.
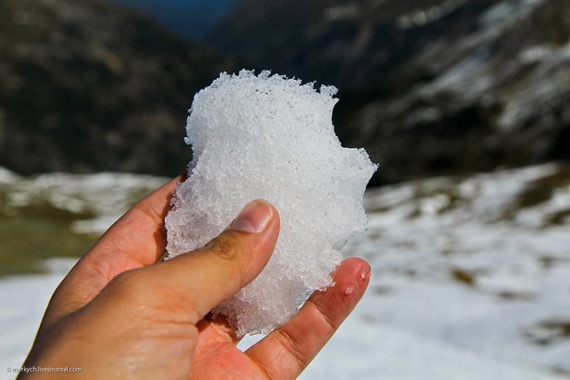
(270, 137)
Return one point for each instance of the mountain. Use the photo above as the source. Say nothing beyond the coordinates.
(352, 45)
(187, 18)
(88, 86)
(426, 86)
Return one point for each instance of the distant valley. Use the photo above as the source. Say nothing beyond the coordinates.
(187, 18)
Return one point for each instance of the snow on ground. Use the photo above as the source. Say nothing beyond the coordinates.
(24, 299)
(360, 349)
(471, 280)
(457, 261)
(363, 351)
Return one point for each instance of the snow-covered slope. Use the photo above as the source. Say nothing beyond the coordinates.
(471, 280)
(103, 196)
(481, 263)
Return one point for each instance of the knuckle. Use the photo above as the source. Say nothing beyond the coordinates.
(127, 286)
(300, 357)
(226, 248)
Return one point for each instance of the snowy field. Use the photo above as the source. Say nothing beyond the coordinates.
(471, 280)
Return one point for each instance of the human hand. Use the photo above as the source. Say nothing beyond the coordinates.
(119, 314)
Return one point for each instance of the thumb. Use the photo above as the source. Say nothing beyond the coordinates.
(208, 276)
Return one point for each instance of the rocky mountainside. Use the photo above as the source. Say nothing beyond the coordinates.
(88, 86)
(350, 44)
(427, 86)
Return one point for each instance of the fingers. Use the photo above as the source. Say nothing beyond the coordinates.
(288, 350)
(137, 239)
(208, 276)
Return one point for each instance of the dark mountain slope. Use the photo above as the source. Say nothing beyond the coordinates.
(351, 44)
(88, 86)
(499, 96)
(427, 86)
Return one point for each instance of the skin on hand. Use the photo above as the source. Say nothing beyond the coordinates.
(121, 315)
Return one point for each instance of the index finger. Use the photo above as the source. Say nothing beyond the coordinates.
(137, 239)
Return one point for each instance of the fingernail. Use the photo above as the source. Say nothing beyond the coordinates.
(253, 218)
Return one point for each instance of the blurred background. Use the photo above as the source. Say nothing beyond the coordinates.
(463, 103)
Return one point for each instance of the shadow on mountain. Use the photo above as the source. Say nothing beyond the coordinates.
(86, 86)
